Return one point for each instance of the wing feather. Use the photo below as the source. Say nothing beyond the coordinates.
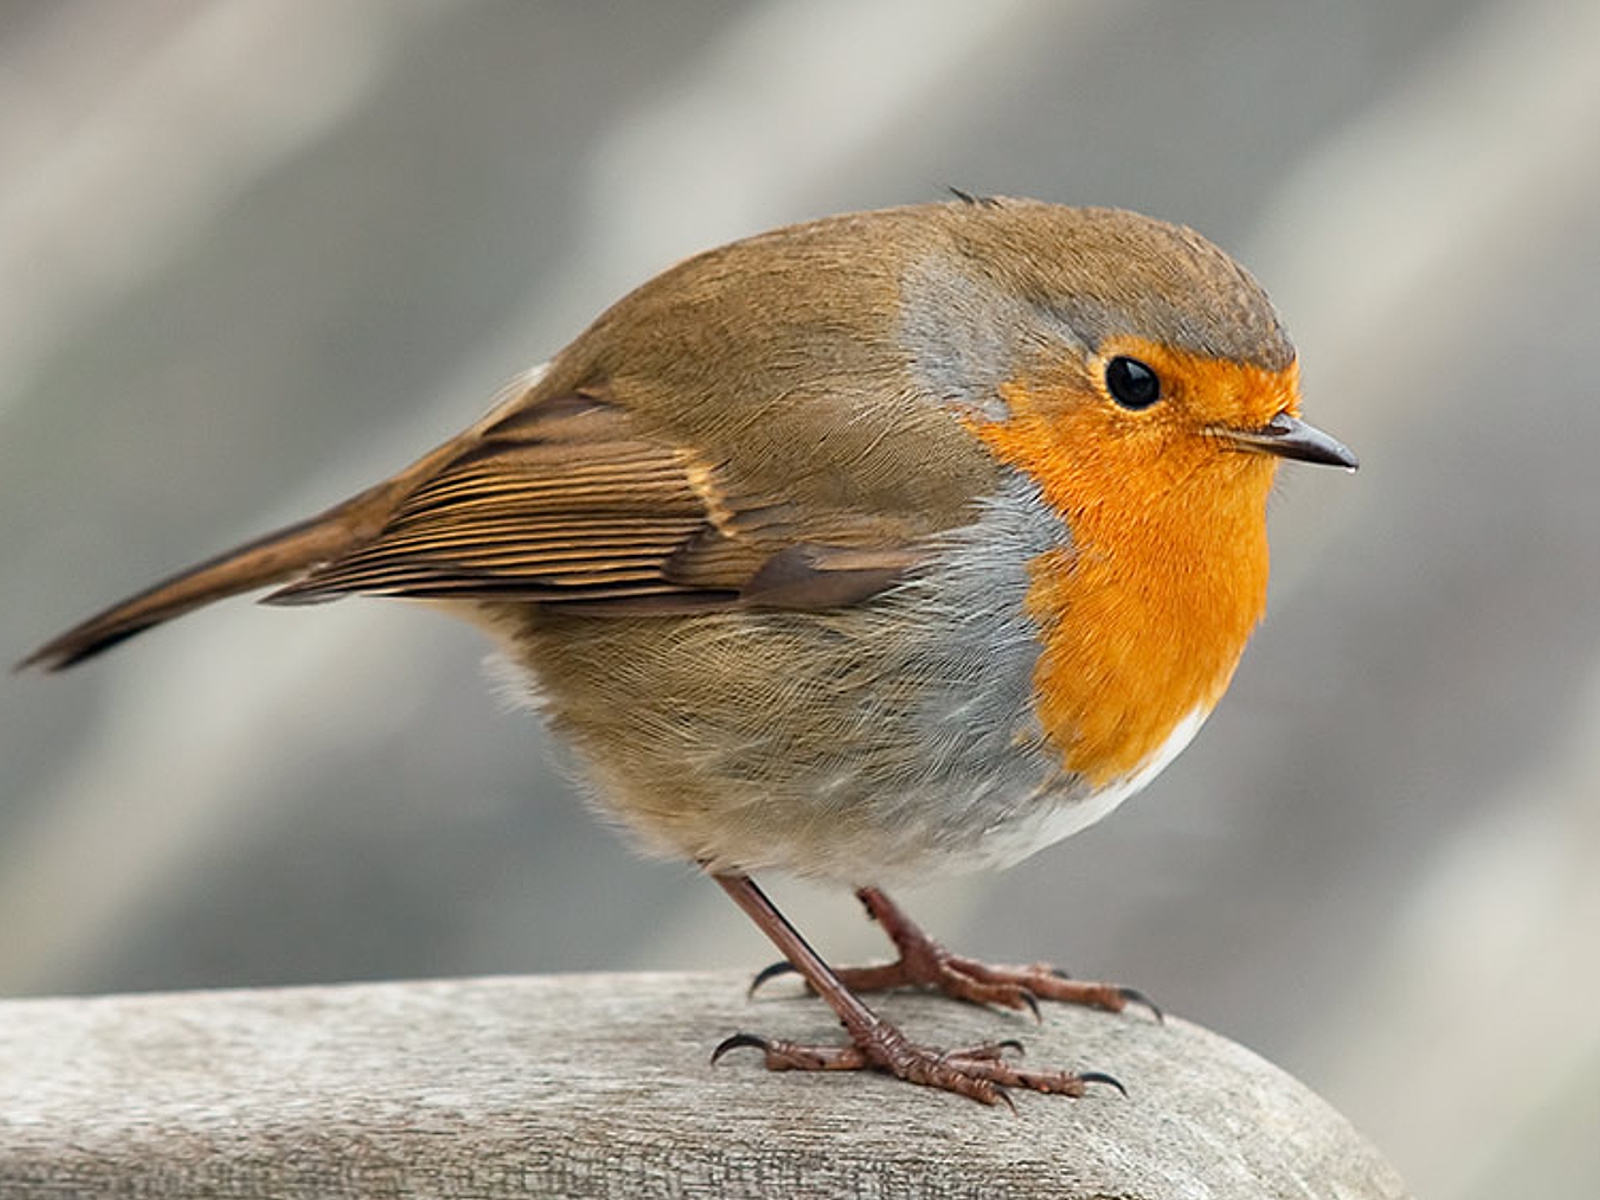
(564, 501)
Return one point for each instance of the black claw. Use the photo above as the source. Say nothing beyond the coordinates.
(1032, 1002)
(1013, 1045)
(1006, 1096)
(1135, 996)
(1060, 974)
(781, 967)
(737, 1041)
(1102, 1077)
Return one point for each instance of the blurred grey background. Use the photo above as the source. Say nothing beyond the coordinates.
(256, 253)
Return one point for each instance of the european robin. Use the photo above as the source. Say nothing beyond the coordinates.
(882, 546)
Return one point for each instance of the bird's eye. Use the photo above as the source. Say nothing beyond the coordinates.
(1131, 383)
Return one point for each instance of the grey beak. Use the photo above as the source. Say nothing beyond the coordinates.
(1290, 437)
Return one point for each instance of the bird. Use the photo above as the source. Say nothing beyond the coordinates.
(881, 547)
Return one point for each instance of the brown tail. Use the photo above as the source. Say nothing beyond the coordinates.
(281, 556)
(270, 559)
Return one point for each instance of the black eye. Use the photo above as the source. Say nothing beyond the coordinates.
(1131, 383)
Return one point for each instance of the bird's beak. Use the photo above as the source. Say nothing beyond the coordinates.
(1290, 437)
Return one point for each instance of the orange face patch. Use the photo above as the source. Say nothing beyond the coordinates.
(1143, 619)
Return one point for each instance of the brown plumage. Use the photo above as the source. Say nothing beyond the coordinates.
(857, 549)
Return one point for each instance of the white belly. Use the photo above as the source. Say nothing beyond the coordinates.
(1013, 842)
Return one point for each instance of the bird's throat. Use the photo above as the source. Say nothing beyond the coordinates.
(1144, 616)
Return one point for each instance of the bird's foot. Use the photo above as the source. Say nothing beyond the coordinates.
(982, 1073)
(924, 962)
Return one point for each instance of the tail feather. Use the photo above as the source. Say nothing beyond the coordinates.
(273, 558)
(280, 557)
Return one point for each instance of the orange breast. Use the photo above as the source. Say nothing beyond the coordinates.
(1144, 618)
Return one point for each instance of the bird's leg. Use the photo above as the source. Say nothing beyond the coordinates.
(924, 962)
(980, 1072)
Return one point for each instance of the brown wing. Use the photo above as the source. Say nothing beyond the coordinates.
(563, 502)
(559, 500)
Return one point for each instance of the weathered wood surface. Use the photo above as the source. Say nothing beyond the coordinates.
(600, 1085)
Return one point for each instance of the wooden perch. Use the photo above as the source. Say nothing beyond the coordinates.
(600, 1085)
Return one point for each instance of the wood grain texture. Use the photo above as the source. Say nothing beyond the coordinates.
(599, 1085)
